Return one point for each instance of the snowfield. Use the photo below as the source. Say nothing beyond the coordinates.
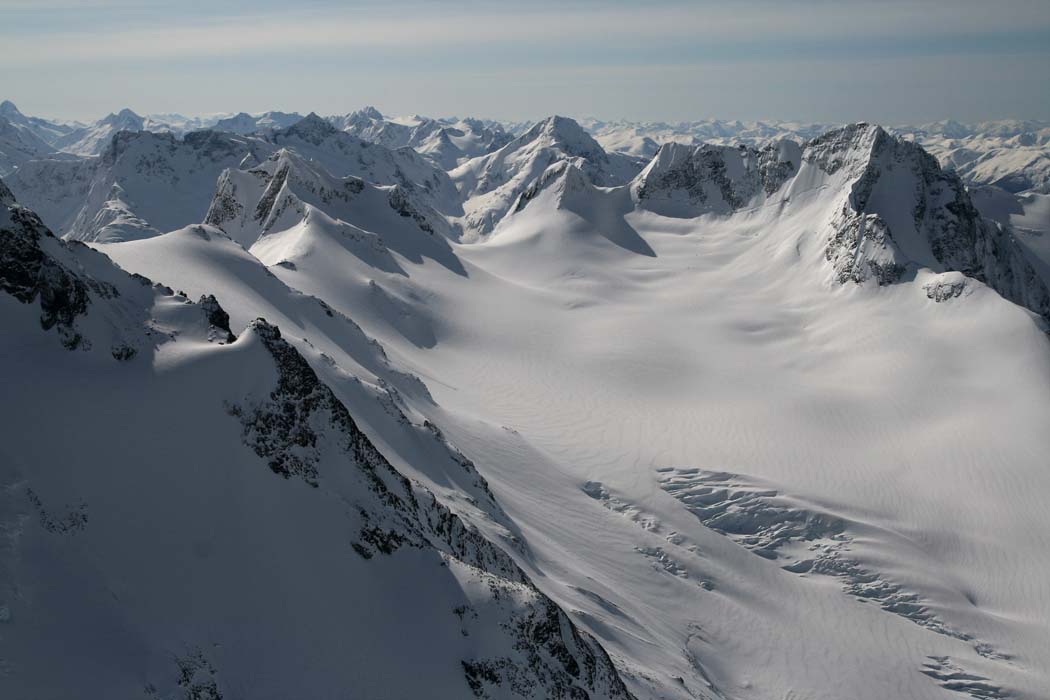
(515, 416)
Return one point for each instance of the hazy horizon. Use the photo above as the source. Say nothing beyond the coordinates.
(803, 60)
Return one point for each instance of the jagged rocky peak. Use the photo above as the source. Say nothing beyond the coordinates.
(900, 208)
(7, 199)
(684, 180)
(280, 159)
(218, 319)
(360, 121)
(852, 144)
(369, 112)
(248, 203)
(902, 211)
(286, 166)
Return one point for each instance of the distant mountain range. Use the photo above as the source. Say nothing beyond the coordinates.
(1010, 153)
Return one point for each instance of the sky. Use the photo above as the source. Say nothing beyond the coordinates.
(886, 61)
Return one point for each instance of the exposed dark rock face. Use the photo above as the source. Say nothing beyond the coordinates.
(574, 180)
(273, 188)
(289, 429)
(716, 178)
(946, 287)
(285, 180)
(281, 431)
(862, 244)
(218, 319)
(860, 249)
(870, 240)
(900, 211)
(69, 280)
(72, 522)
(225, 205)
(1004, 267)
(829, 151)
(561, 663)
(295, 427)
(29, 274)
(197, 677)
(400, 203)
(123, 352)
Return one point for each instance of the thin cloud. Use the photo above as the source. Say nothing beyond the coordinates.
(379, 28)
(895, 60)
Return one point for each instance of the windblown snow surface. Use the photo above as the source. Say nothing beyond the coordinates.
(756, 424)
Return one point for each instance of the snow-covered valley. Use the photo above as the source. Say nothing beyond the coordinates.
(399, 408)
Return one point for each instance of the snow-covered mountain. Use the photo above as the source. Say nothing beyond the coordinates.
(645, 138)
(145, 183)
(142, 184)
(891, 209)
(92, 140)
(342, 154)
(1012, 154)
(244, 123)
(369, 124)
(491, 184)
(18, 145)
(43, 129)
(754, 418)
(447, 142)
(287, 195)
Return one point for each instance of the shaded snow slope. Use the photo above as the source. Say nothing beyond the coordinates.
(165, 560)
